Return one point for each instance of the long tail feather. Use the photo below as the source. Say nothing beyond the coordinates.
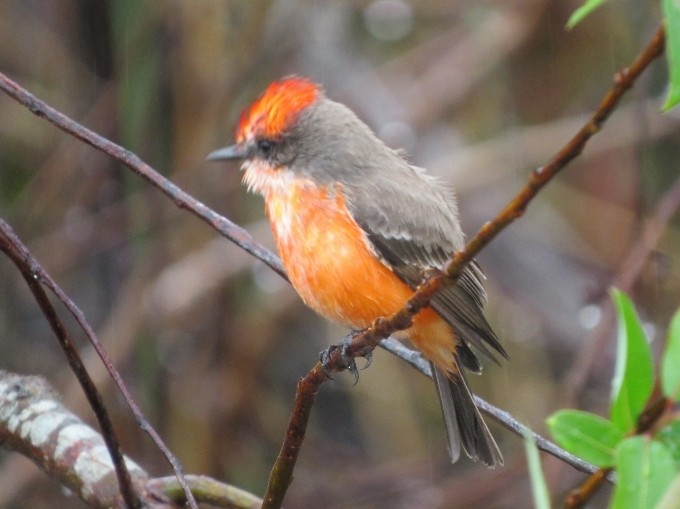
(464, 424)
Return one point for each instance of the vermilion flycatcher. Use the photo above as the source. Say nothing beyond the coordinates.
(357, 227)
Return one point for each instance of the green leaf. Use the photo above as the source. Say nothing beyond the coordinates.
(580, 14)
(670, 364)
(586, 435)
(670, 436)
(671, 498)
(634, 372)
(539, 487)
(671, 13)
(644, 470)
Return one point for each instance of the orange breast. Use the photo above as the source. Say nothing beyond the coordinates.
(332, 267)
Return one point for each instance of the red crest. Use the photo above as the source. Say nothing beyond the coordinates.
(277, 108)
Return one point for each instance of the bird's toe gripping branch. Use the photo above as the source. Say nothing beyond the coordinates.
(333, 363)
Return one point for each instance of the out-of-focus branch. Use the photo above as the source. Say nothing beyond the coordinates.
(34, 275)
(503, 418)
(365, 342)
(182, 199)
(32, 272)
(34, 423)
(625, 277)
(206, 490)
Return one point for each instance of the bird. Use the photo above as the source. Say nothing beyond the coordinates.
(357, 228)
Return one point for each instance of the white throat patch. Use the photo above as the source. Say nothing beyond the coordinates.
(261, 178)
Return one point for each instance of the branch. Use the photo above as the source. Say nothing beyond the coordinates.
(34, 274)
(206, 490)
(34, 423)
(31, 271)
(366, 341)
(416, 359)
(626, 276)
(183, 200)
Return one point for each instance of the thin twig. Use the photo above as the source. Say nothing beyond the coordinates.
(181, 198)
(366, 341)
(583, 493)
(207, 491)
(628, 272)
(505, 419)
(28, 264)
(31, 271)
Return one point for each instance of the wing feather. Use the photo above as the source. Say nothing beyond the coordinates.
(412, 235)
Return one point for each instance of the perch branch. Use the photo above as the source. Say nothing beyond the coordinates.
(181, 198)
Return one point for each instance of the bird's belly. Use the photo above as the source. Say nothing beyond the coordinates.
(329, 261)
(331, 265)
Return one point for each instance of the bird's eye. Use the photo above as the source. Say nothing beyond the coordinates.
(265, 147)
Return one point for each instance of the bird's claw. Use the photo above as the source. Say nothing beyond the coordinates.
(347, 362)
(325, 357)
(369, 359)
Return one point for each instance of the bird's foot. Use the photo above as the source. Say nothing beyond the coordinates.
(346, 361)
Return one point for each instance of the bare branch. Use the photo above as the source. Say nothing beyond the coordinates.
(34, 422)
(206, 490)
(626, 276)
(182, 199)
(32, 272)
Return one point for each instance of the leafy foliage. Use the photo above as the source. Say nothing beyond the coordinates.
(670, 374)
(645, 469)
(588, 436)
(646, 461)
(582, 12)
(539, 487)
(634, 372)
(671, 14)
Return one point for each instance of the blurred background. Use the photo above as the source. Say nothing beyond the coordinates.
(212, 342)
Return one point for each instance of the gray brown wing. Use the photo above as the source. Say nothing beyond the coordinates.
(412, 235)
(460, 305)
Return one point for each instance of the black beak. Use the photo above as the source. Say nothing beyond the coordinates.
(237, 151)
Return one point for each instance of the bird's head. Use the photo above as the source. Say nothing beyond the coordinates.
(294, 131)
(265, 126)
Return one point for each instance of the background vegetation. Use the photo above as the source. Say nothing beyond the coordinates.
(212, 342)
